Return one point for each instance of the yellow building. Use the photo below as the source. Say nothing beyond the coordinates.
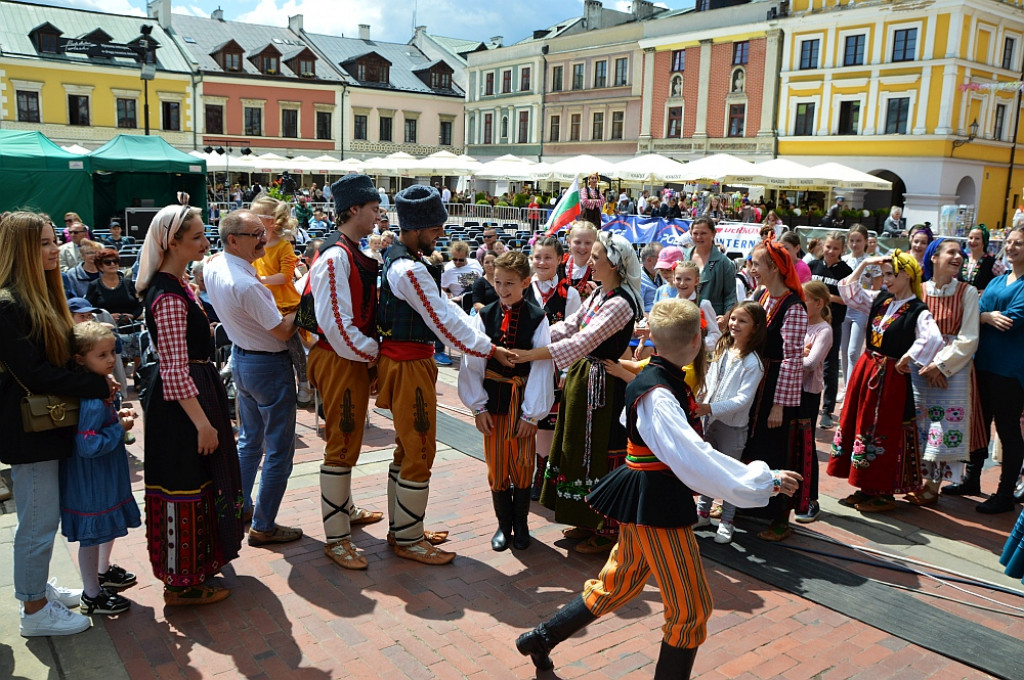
(892, 87)
(74, 76)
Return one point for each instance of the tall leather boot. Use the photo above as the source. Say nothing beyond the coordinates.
(971, 485)
(674, 663)
(503, 511)
(520, 518)
(538, 477)
(539, 642)
(336, 506)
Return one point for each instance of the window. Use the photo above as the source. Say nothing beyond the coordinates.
(290, 123)
(445, 138)
(621, 67)
(997, 129)
(618, 120)
(524, 79)
(737, 112)
(555, 131)
(489, 83)
(324, 127)
(904, 44)
(410, 130)
(1008, 45)
(78, 109)
(597, 129)
(804, 120)
(232, 61)
(359, 126)
(440, 80)
(373, 71)
(214, 119)
(601, 74)
(171, 114)
(47, 42)
(307, 67)
(896, 116)
(809, 54)
(488, 128)
(675, 122)
(271, 64)
(506, 82)
(385, 129)
(740, 53)
(574, 127)
(253, 121)
(853, 55)
(126, 117)
(524, 127)
(28, 107)
(849, 118)
(577, 76)
(556, 79)
(678, 60)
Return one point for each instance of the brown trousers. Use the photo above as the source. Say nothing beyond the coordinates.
(344, 387)
(408, 388)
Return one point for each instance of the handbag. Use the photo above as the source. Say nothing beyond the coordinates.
(42, 412)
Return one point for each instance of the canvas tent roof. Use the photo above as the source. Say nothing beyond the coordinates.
(31, 150)
(31, 165)
(135, 153)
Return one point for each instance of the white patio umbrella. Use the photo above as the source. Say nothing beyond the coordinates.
(511, 168)
(268, 163)
(782, 173)
(849, 178)
(329, 165)
(446, 163)
(649, 168)
(717, 168)
(398, 164)
(568, 169)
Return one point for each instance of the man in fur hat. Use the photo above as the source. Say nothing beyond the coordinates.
(411, 315)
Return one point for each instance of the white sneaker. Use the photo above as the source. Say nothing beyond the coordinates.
(69, 597)
(53, 619)
(304, 395)
(702, 521)
(725, 532)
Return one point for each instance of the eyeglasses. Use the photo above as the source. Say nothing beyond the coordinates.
(253, 234)
(490, 236)
(68, 220)
(76, 231)
(458, 259)
(110, 262)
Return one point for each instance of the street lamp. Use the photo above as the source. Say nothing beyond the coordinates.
(147, 57)
(973, 134)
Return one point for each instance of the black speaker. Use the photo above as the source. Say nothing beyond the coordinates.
(136, 221)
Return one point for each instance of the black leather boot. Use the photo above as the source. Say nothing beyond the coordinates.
(539, 642)
(538, 477)
(520, 515)
(503, 511)
(674, 663)
(971, 486)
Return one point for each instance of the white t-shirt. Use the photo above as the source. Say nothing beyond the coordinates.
(459, 280)
(245, 306)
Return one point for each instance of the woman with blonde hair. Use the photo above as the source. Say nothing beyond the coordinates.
(35, 348)
(276, 270)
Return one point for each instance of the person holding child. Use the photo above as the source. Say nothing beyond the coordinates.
(96, 502)
(508, 401)
(667, 458)
(732, 380)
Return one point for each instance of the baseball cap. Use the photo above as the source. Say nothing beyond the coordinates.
(79, 305)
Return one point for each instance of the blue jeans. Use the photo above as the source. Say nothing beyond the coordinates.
(37, 497)
(266, 414)
(852, 343)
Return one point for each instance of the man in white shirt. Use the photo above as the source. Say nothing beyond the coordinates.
(70, 257)
(342, 364)
(262, 371)
(446, 195)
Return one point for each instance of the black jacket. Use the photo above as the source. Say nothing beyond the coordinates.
(28, 360)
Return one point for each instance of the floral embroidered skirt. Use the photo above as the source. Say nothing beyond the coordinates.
(949, 419)
(876, 444)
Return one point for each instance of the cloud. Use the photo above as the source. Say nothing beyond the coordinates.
(109, 6)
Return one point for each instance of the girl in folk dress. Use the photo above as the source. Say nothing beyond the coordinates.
(778, 435)
(732, 381)
(686, 278)
(575, 267)
(979, 267)
(949, 416)
(876, 443)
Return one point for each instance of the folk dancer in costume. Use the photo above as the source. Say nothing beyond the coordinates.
(559, 300)
(589, 441)
(778, 435)
(411, 315)
(575, 267)
(667, 458)
(876, 444)
(507, 402)
(343, 285)
(949, 417)
(592, 201)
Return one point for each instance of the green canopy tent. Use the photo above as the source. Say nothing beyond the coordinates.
(38, 175)
(131, 169)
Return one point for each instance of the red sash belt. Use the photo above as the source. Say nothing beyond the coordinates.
(406, 350)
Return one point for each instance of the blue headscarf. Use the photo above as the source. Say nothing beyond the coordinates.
(932, 248)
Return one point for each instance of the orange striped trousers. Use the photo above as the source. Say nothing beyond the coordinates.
(672, 555)
(509, 458)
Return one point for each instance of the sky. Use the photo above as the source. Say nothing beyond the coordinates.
(390, 20)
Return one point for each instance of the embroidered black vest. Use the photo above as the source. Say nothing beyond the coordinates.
(555, 306)
(613, 347)
(197, 333)
(524, 318)
(898, 337)
(396, 319)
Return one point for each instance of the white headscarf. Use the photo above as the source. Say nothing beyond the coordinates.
(627, 264)
(162, 229)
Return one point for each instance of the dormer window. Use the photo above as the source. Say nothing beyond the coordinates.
(232, 61)
(302, 63)
(46, 38)
(271, 65)
(307, 66)
(440, 81)
(436, 75)
(369, 68)
(229, 56)
(48, 43)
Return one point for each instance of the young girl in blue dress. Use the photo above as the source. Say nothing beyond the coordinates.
(96, 499)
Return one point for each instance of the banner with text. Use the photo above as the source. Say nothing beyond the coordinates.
(735, 237)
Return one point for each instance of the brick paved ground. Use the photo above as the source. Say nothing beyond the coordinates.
(293, 614)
